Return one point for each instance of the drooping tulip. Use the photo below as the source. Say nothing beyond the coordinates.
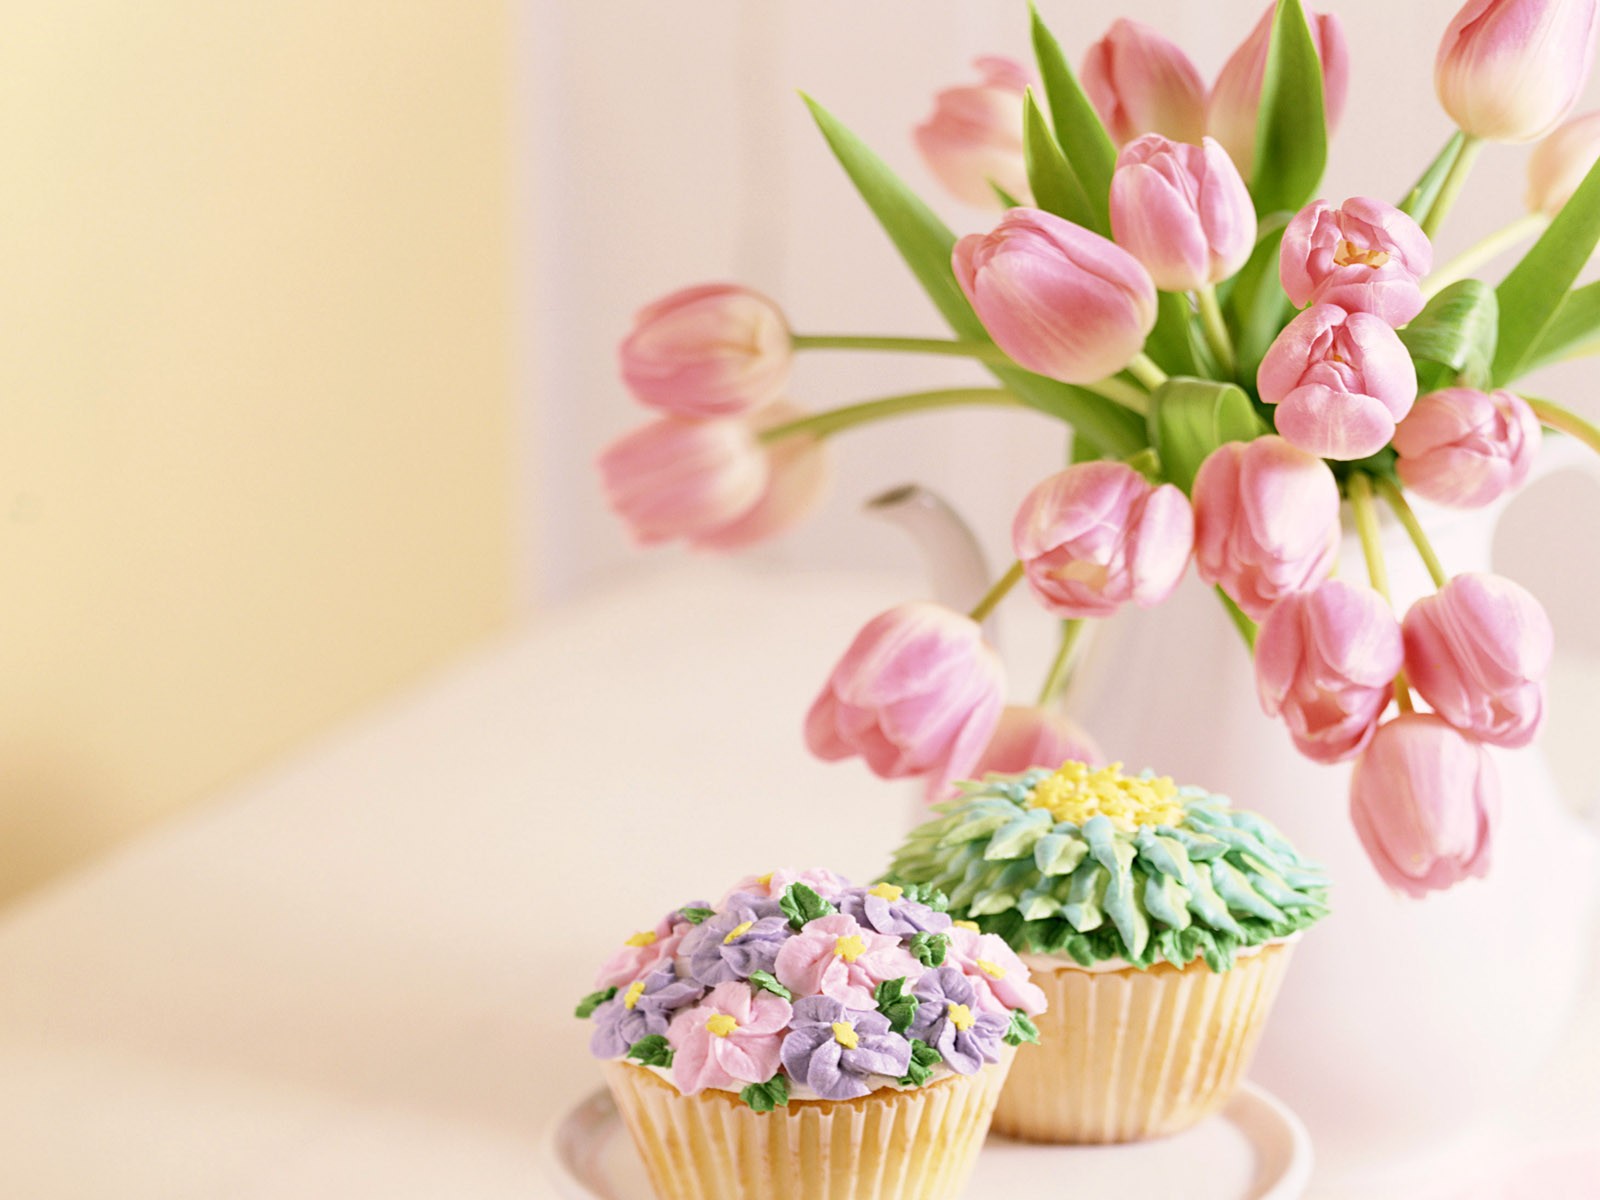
(1510, 70)
(974, 137)
(1099, 535)
(1365, 256)
(798, 472)
(1559, 162)
(716, 350)
(918, 692)
(1340, 380)
(1326, 661)
(1035, 737)
(1140, 82)
(1478, 652)
(1236, 96)
(1424, 799)
(683, 479)
(1059, 299)
(1266, 520)
(1182, 211)
(1467, 448)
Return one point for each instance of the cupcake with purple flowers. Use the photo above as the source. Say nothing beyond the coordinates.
(746, 1043)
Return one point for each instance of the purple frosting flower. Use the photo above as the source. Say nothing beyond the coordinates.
(951, 1019)
(638, 1010)
(741, 939)
(901, 918)
(833, 1049)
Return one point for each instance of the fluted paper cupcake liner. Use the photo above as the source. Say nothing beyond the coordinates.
(1128, 1055)
(918, 1144)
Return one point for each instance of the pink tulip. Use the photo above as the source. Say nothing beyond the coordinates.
(1059, 299)
(1182, 211)
(1340, 380)
(1266, 519)
(1424, 800)
(1035, 737)
(1365, 256)
(1236, 96)
(974, 137)
(1509, 70)
(1139, 82)
(710, 351)
(798, 473)
(1326, 661)
(1466, 448)
(1559, 163)
(918, 693)
(1478, 652)
(1099, 535)
(683, 479)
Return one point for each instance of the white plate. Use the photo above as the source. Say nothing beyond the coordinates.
(1255, 1149)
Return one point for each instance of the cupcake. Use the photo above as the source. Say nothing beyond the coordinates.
(1157, 920)
(804, 1037)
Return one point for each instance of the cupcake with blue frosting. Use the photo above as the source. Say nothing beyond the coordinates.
(1158, 920)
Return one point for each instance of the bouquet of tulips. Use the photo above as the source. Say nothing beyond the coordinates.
(1235, 358)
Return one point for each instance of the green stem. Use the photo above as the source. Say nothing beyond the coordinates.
(1216, 330)
(983, 351)
(1061, 669)
(1566, 421)
(1366, 512)
(823, 424)
(1146, 372)
(1120, 391)
(1247, 627)
(1413, 527)
(997, 593)
(1459, 170)
(1474, 256)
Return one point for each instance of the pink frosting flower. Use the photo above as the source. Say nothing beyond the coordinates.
(1182, 211)
(974, 136)
(917, 693)
(731, 1038)
(1509, 70)
(835, 956)
(1325, 662)
(1467, 448)
(1266, 521)
(1340, 380)
(710, 351)
(773, 884)
(1035, 737)
(798, 473)
(1140, 82)
(1478, 652)
(643, 952)
(1424, 800)
(1058, 298)
(683, 479)
(1558, 163)
(1099, 535)
(989, 962)
(1364, 256)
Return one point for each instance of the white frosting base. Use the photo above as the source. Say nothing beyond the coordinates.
(1054, 962)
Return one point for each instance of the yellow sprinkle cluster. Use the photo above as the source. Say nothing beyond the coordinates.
(1077, 792)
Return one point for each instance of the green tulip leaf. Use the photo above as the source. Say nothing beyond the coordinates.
(1190, 418)
(1291, 124)
(1420, 199)
(1454, 336)
(1055, 184)
(1575, 329)
(1255, 301)
(1079, 133)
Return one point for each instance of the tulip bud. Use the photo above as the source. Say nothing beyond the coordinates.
(974, 137)
(1326, 661)
(1559, 163)
(1478, 652)
(1424, 801)
(918, 692)
(1266, 521)
(1182, 211)
(1340, 380)
(1236, 96)
(1099, 535)
(711, 351)
(1033, 737)
(1509, 70)
(798, 473)
(1139, 82)
(683, 479)
(1062, 301)
(1365, 256)
(1467, 448)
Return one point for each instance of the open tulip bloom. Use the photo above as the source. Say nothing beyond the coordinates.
(1236, 355)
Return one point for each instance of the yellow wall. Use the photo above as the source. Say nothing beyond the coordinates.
(254, 386)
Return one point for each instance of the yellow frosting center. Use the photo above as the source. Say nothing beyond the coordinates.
(972, 925)
(845, 1034)
(721, 1025)
(635, 990)
(849, 947)
(738, 931)
(766, 880)
(992, 970)
(1078, 792)
(887, 891)
(645, 937)
(961, 1016)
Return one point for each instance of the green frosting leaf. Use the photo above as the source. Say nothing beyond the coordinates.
(695, 915)
(766, 981)
(923, 1060)
(592, 1001)
(925, 893)
(800, 904)
(929, 948)
(764, 1097)
(1021, 1030)
(652, 1051)
(894, 1002)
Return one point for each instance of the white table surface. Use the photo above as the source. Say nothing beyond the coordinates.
(354, 976)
